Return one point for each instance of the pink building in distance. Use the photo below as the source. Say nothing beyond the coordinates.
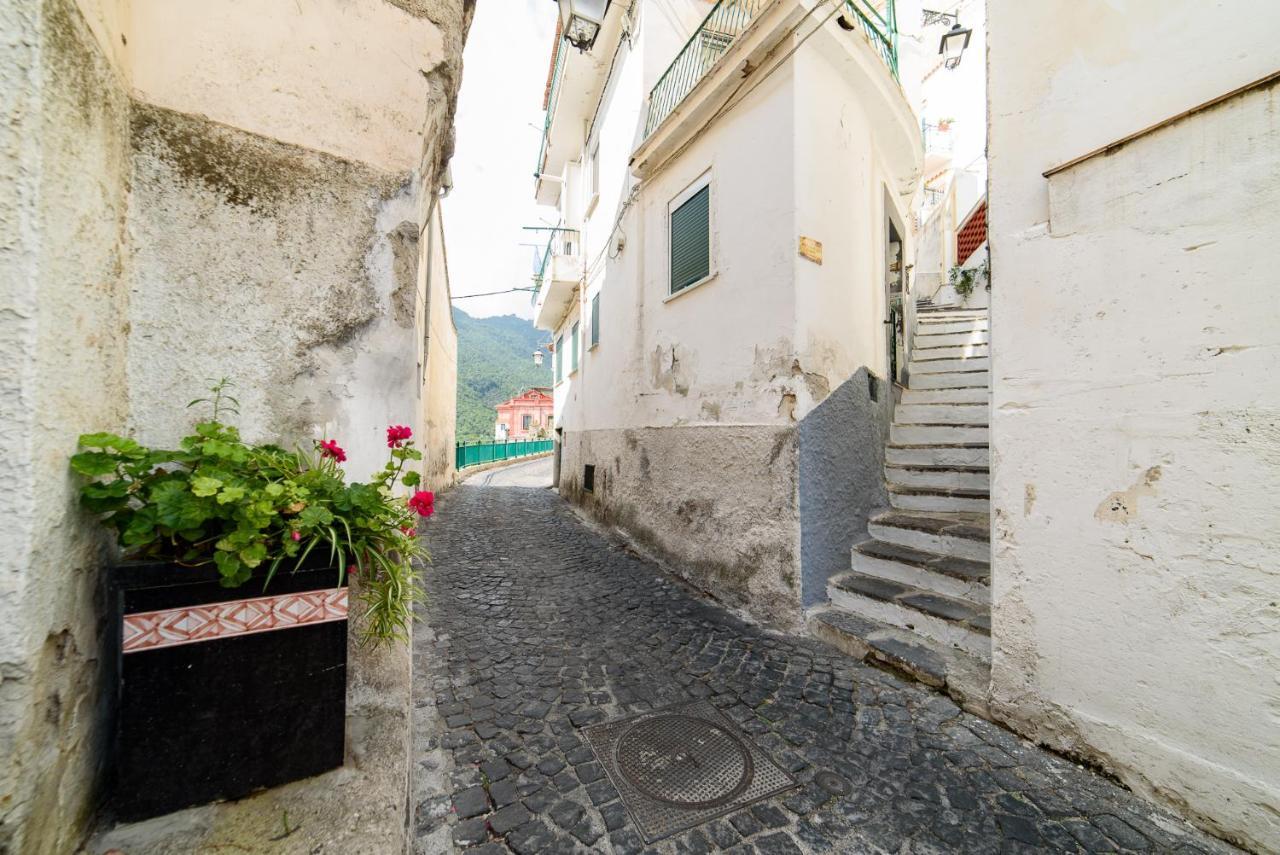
(526, 416)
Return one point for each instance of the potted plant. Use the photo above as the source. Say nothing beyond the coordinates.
(230, 612)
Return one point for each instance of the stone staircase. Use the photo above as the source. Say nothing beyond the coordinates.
(917, 596)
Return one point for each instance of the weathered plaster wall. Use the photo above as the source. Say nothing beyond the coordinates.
(841, 479)
(1135, 406)
(718, 502)
(63, 322)
(439, 343)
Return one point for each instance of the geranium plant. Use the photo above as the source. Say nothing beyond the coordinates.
(257, 510)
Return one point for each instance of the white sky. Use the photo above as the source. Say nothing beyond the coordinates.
(499, 129)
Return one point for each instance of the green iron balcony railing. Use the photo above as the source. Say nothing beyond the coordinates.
(725, 22)
(561, 241)
(553, 91)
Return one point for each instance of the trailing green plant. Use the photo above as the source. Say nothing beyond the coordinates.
(965, 279)
(257, 510)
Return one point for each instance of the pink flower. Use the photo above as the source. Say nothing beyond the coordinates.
(407, 530)
(397, 435)
(352, 570)
(424, 502)
(329, 448)
(296, 535)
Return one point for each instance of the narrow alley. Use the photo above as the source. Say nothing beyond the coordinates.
(538, 626)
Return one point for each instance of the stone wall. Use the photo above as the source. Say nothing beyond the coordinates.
(156, 234)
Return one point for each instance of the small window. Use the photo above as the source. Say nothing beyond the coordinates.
(595, 319)
(526, 421)
(691, 238)
(573, 364)
(589, 478)
(559, 359)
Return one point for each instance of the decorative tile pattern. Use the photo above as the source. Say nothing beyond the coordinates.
(189, 624)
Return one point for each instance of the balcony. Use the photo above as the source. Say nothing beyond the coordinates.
(558, 271)
(939, 141)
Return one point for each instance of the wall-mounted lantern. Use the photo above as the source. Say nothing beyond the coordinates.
(537, 358)
(954, 41)
(580, 21)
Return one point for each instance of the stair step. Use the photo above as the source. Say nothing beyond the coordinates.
(938, 476)
(952, 312)
(952, 413)
(933, 432)
(943, 619)
(927, 339)
(946, 396)
(951, 380)
(919, 366)
(932, 327)
(950, 351)
(957, 535)
(964, 678)
(942, 574)
(939, 501)
(942, 454)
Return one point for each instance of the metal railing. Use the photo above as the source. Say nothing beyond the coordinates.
(937, 138)
(552, 94)
(725, 22)
(880, 25)
(475, 453)
(561, 241)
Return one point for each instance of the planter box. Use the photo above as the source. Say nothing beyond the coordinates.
(224, 691)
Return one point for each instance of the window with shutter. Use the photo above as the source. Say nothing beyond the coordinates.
(573, 365)
(691, 240)
(595, 319)
(559, 359)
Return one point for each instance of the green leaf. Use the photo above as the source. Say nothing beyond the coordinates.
(315, 515)
(176, 507)
(254, 555)
(94, 463)
(203, 485)
(411, 479)
(231, 494)
(274, 489)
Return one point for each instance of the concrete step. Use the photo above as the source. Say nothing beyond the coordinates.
(946, 620)
(951, 380)
(931, 327)
(937, 476)
(955, 454)
(961, 414)
(946, 396)
(926, 339)
(931, 500)
(966, 679)
(954, 351)
(920, 365)
(937, 433)
(953, 577)
(965, 536)
(944, 312)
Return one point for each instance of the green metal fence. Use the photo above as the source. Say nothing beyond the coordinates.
(552, 94)
(726, 21)
(475, 453)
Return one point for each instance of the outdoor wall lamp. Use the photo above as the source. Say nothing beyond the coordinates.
(954, 41)
(537, 358)
(580, 21)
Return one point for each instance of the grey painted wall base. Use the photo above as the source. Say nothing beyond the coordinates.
(841, 477)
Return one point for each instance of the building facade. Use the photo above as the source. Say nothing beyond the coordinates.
(529, 415)
(194, 191)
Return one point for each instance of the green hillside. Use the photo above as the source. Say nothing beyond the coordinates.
(495, 362)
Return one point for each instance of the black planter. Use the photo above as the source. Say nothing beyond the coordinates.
(224, 691)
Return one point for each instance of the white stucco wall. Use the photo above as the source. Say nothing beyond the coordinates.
(439, 356)
(1134, 399)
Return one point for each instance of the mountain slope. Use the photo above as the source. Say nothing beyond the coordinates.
(495, 362)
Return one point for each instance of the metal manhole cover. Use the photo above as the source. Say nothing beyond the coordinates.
(685, 761)
(679, 767)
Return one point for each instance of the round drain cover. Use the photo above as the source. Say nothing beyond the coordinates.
(683, 760)
(832, 783)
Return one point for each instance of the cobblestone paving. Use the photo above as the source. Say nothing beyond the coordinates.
(537, 626)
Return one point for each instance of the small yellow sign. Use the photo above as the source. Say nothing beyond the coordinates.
(811, 249)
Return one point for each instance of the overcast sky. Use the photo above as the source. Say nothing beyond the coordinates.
(499, 127)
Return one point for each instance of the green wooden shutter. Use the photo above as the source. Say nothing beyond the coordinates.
(595, 319)
(574, 365)
(691, 240)
(559, 359)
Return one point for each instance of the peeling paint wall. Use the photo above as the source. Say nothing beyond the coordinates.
(195, 190)
(64, 166)
(1136, 414)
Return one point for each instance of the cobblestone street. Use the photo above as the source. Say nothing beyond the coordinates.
(537, 626)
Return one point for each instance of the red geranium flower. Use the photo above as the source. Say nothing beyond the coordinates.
(397, 434)
(329, 448)
(424, 502)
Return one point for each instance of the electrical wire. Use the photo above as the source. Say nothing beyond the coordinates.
(490, 293)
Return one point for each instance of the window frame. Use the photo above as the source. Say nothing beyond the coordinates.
(691, 190)
(559, 357)
(574, 331)
(594, 326)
